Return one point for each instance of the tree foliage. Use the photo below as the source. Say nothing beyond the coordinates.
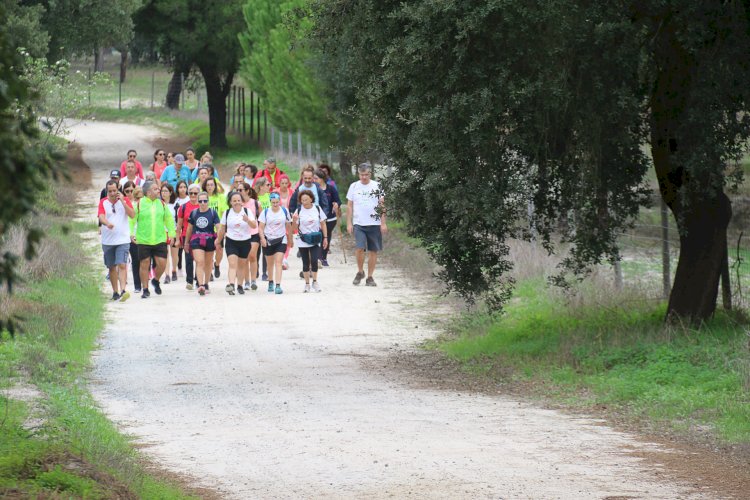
(278, 66)
(25, 165)
(489, 107)
(23, 24)
(202, 35)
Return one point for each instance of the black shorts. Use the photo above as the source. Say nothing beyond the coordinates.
(209, 246)
(274, 249)
(239, 248)
(255, 238)
(147, 251)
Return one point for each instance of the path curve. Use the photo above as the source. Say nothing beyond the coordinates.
(281, 407)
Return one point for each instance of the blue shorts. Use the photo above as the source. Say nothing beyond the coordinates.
(116, 254)
(368, 238)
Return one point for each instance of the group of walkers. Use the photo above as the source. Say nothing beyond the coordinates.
(178, 211)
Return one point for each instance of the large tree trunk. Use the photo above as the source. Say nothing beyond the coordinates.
(123, 64)
(216, 95)
(702, 218)
(174, 89)
(99, 60)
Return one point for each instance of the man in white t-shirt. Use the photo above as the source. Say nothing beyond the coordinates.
(365, 218)
(131, 174)
(114, 211)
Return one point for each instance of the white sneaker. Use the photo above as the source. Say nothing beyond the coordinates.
(307, 288)
(316, 287)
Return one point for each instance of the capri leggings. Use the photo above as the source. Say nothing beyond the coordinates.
(310, 255)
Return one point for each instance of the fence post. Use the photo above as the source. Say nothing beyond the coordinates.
(257, 116)
(299, 148)
(244, 120)
(182, 91)
(252, 115)
(265, 127)
(618, 275)
(153, 73)
(226, 105)
(89, 86)
(290, 145)
(665, 262)
(198, 101)
(273, 139)
(119, 95)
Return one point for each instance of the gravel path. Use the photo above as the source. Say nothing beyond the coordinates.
(264, 396)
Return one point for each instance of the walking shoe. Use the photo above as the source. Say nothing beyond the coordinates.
(370, 282)
(217, 272)
(229, 289)
(324, 262)
(247, 285)
(284, 265)
(124, 296)
(174, 275)
(253, 285)
(307, 288)
(115, 296)
(157, 286)
(358, 277)
(316, 287)
(137, 290)
(240, 290)
(265, 277)
(146, 294)
(301, 275)
(270, 286)
(167, 279)
(279, 291)
(189, 286)
(201, 291)
(207, 288)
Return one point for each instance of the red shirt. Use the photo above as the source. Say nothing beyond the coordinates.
(138, 169)
(184, 214)
(274, 182)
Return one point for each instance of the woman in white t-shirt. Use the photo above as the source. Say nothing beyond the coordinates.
(237, 224)
(275, 233)
(310, 221)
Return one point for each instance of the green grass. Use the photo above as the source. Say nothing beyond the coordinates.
(76, 451)
(623, 358)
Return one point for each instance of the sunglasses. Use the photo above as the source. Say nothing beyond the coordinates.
(128, 190)
(202, 201)
(131, 156)
(193, 193)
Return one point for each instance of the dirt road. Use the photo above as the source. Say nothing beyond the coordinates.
(265, 396)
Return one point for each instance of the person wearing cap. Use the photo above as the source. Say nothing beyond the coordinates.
(152, 229)
(138, 167)
(131, 175)
(176, 172)
(114, 175)
(270, 172)
(365, 218)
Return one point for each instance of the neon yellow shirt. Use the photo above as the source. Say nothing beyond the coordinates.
(152, 222)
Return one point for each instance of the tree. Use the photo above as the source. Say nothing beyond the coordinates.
(488, 106)
(201, 34)
(25, 166)
(281, 70)
(88, 26)
(24, 25)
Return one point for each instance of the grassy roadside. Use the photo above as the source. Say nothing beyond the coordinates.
(604, 351)
(57, 444)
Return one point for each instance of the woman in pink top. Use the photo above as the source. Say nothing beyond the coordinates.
(285, 192)
(249, 201)
(159, 163)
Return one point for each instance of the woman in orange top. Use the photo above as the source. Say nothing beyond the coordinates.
(159, 164)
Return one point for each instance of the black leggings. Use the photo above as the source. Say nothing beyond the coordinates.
(135, 265)
(331, 225)
(310, 255)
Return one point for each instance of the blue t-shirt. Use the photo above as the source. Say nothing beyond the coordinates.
(172, 176)
(204, 222)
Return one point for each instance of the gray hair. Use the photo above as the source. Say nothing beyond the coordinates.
(364, 167)
(146, 186)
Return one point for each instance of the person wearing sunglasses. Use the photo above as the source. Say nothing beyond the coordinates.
(132, 155)
(181, 198)
(114, 175)
(275, 234)
(128, 189)
(114, 211)
(176, 172)
(237, 224)
(183, 214)
(153, 228)
(200, 239)
(159, 164)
